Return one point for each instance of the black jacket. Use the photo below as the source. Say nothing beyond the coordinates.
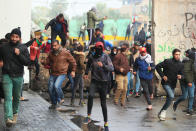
(53, 23)
(101, 74)
(171, 68)
(13, 65)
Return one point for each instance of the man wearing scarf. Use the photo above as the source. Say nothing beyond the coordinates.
(13, 56)
(59, 60)
(35, 52)
(145, 66)
(59, 26)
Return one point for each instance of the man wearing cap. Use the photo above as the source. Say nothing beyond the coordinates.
(14, 56)
(145, 66)
(35, 52)
(136, 53)
(100, 65)
(91, 21)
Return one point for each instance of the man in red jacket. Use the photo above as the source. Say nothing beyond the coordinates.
(121, 66)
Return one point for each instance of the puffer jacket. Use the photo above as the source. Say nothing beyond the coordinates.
(59, 63)
(92, 18)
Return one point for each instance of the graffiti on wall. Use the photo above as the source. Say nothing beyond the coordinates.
(182, 36)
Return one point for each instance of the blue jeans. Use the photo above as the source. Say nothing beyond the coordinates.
(54, 88)
(137, 85)
(170, 96)
(186, 90)
(130, 82)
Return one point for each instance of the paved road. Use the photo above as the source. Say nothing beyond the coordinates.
(35, 116)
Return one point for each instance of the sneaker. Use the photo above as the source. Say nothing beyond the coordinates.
(151, 96)
(9, 122)
(106, 128)
(174, 106)
(87, 120)
(137, 95)
(149, 107)
(131, 93)
(162, 115)
(62, 101)
(72, 102)
(82, 103)
(52, 107)
(189, 113)
(15, 118)
(107, 96)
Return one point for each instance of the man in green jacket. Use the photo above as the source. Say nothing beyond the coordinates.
(91, 21)
(187, 84)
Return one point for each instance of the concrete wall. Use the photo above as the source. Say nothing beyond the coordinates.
(16, 13)
(175, 26)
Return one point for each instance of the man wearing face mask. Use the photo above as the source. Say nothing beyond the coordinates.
(14, 57)
(121, 66)
(100, 65)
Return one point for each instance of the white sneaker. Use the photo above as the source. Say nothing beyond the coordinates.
(162, 115)
(107, 96)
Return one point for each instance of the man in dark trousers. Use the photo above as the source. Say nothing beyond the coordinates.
(59, 26)
(170, 70)
(100, 65)
(91, 21)
(14, 57)
(142, 37)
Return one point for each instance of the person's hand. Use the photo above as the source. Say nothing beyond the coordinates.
(121, 70)
(165, 78)
(113, 73)
(1, 63)
(179, 77)
(44, 31)
(73, 74)
(17, 51)
(190, 84)
(85, 77)
(134, 73)
(149, 68)
(37, 48)
(105, 17)
(100, 64)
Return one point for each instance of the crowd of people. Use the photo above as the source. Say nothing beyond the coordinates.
(113, 70)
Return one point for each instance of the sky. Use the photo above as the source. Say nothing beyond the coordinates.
(78, 7)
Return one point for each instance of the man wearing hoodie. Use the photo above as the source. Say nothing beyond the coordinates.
(170, 71)
(100, 65)
(187, 83)
(59, 26)
(121, 66)
(91, 22)
(145, 66)
(14, 57)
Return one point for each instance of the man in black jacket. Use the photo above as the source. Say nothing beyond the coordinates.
(172, 70)
(100, 65)
(59, 26)
(14, 57)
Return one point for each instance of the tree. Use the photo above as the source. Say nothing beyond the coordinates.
(58, 6)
